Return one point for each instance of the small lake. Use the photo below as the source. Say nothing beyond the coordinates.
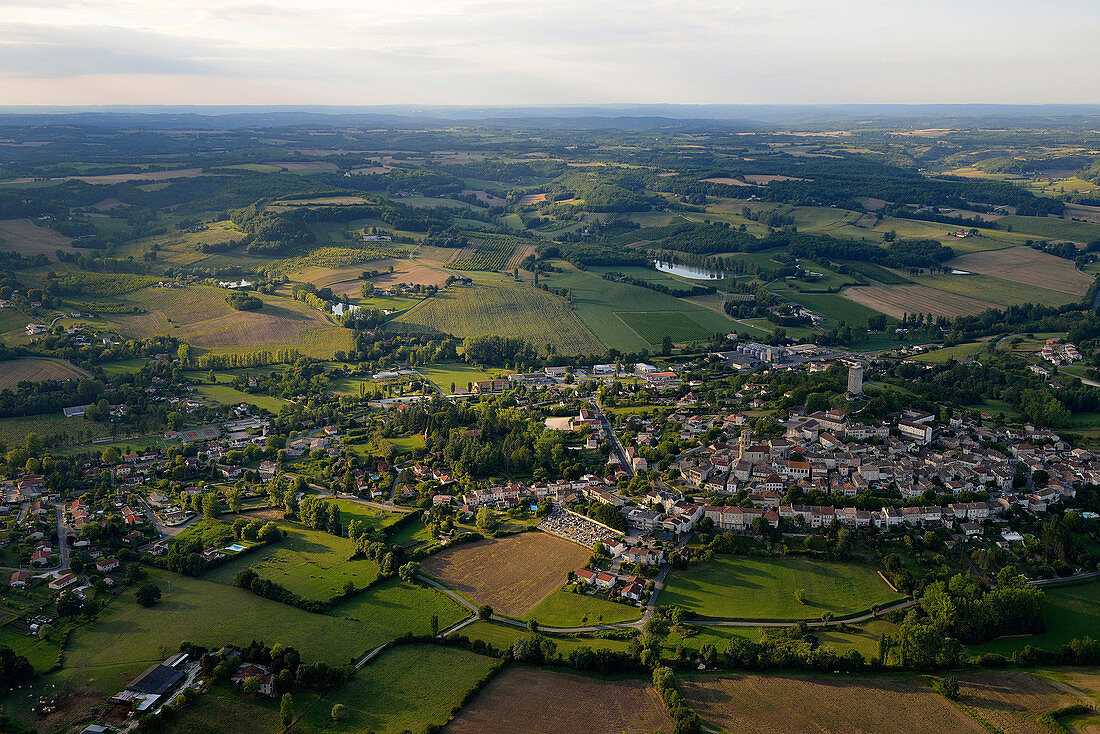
(688, 271)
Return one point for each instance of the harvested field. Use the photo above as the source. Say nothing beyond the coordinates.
(521, 700)
(412, 273)
(726, 181)
(898, 300)
(437, 254)
(30, 369)
(1025, 265)
(775, 705)
(531, 199)
(107, 204)
(27, 238)
(1011, 702)
(513, 574)
(765, 179)
(200, 316)
(114, 178)
(304, 166)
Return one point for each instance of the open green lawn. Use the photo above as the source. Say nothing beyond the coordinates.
(309, 563)
(565, 609)
(227, 395)
(444, 373)
(223, 708)
(127, 638)
(1071, 610)
(393, 608)
(863, 638)
(403, 689)
(373, 518)
(939, 356)
(42, 654)
(764, 588)
(501, 636)
(408, 444)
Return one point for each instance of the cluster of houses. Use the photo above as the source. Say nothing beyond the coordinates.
(1058, 352)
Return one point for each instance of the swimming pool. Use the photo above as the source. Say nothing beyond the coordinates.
(236, 548)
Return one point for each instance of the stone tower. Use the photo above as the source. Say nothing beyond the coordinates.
(855, 379)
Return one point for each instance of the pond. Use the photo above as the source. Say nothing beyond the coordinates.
(688, 271)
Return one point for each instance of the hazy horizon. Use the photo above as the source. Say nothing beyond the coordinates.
(473, 52)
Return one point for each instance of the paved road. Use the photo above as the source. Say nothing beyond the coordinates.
(1078, 577)
(619, 451)
(387, 506)
(62, 537)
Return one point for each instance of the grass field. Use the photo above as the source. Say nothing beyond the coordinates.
(501, 636)
(939, 356)
(1070, 611)
(373, 518)
(565, 609)
(42, 654)
(1060, 229)
(512, 574)
(403, 689)
(752, 588)
(222, 709)
(898, 300)
(833, 306)
(27, 238)
(227, 395)
(599, 302)
(994, 290)
(445, 373)
(1027, 266)
(34, 369)
(823, 704)
(309, 563)
(654, 326)
(393, 608)
(523, 701)
(128, 638)
(503, 308)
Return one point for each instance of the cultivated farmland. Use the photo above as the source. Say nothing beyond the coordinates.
(512, 574)
(27, 238)
(1026, 265)
(1011, 701)
(201, 316)
(32, 369)
(898, 300)
(995, 290)
(749, 588)
(520, 700)
(489, 252)
(656, 325)
(775, 705)
(508, 308)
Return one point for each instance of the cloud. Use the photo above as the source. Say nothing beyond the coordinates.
(508, 51)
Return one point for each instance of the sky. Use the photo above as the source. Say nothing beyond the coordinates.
(501, 52)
